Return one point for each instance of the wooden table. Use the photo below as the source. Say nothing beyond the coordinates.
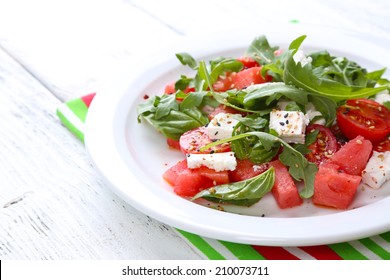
(53, 203)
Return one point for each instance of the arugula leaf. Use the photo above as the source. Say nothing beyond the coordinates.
(298, 166)
(225, 65)
(252, 148)
(183, 82)
(207, 76)
(244, 193)
(234, 99)
(269, 92)
(187, 59)
(193, 99)
(326, 106)
(166, 104)
(261, 51)
(203, 80)
(304, 77)
(171, 119)
(295, 44)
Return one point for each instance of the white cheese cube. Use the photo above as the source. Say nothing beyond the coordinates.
(300, 57)
(221, 126)
(216, 161)
(311, 113)
(382, 97)
(377, 170)
(289, 125)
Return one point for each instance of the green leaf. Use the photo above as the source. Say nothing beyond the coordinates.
(234, 99)
(203, 78)
(174, 124)
(244, 193)
(269, 92)
(183, 82)
(387, 104)
(187, 59)
(295, 44)
(298, 166)
(326, 106)
(261, 51)
(252, 148)
(304, 78)
(193, 99)
(166, 104)
(223, 66)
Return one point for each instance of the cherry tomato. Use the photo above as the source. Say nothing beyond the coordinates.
(364, 117)
(191, 141)
(324, 146)
(382, 146)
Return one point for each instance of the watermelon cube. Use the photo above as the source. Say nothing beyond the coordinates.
(333, 187)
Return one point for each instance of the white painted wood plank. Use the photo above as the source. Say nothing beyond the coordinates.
(74, 46)
(53, 205)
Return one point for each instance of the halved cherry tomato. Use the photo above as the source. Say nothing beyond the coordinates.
(324, 146)
(364, 117)
(191, 142)
(382, 146)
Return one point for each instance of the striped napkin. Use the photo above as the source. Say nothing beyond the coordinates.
(73, 114)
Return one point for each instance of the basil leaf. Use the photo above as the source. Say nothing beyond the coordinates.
(174, 124)
(298, 166)
(187, 59)
(244, 193)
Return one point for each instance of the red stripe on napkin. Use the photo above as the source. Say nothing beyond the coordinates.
(87, 99)
(321, 252)
(274, 253)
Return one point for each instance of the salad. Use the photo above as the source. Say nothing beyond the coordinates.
(301, 127)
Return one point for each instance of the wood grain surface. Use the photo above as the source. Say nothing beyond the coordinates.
(53, 204)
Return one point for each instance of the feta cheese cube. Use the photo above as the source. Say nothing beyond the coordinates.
(377, 170)
(300, 57)
(289, 125)
(216, 161)
(221, 126)
(382, 97)
(311, 113)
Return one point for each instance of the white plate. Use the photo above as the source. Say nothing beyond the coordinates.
(132, 156)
